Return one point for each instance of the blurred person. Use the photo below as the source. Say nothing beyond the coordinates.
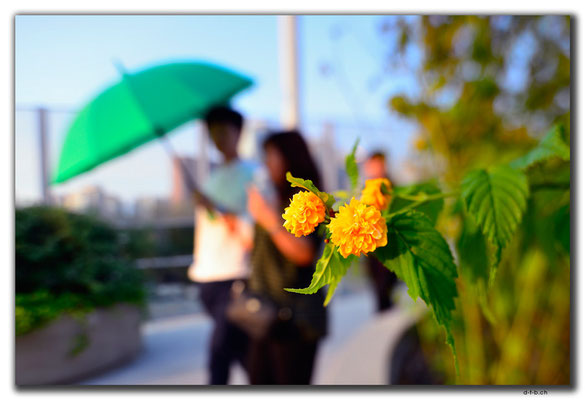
(381, 278)
(223, 241)
(281, 260)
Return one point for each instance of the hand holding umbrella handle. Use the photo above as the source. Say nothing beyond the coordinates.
(203, 200)
(198, 195)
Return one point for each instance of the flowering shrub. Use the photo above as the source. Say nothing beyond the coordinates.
(397, 226)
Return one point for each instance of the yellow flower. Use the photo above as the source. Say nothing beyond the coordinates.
(305, 212)
(373, 195)
(420, 144)
(358, 228)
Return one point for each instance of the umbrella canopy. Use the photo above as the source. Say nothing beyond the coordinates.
(141, 107)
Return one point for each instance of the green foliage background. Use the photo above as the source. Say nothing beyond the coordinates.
(515, 330)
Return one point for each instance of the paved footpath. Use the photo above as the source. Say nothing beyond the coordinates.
(175, 349)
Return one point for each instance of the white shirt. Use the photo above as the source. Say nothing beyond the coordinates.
(218, 253)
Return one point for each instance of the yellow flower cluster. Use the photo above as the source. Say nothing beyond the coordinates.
(305, 212)
(358, 228)
(373, 195)
(420, 144)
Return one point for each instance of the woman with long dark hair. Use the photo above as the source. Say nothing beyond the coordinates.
(281, 260)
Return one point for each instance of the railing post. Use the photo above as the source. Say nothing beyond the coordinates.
(44, 155)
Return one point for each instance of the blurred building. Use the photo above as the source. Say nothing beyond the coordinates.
(330, 161)
(325, 156)
(93, 200)
(150, 208)
(253, 133)
(180, 193)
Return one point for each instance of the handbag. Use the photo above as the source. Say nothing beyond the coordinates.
(254, 314)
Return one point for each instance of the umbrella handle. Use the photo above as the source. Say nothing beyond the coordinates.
(188, 177)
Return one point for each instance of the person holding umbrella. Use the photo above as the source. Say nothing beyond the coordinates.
(147, 105)
(222, 241)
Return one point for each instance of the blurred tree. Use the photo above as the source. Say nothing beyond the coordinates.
(489, 85)
(490, 88)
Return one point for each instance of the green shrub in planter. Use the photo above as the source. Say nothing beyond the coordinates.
(67, 262)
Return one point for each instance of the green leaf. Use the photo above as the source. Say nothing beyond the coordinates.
(552, 145)
(473, 262)
(351, 167)
(496, 199)
(385, 189)
(308, 185)
(421, 257)
(472, 252)
(431, 209)
(330, 269)
(562, 228)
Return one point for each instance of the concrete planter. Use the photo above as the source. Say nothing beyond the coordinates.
(68, 350)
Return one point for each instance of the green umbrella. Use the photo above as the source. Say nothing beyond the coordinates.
(141, 107)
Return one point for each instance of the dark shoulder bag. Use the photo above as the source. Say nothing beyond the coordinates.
(254, 314)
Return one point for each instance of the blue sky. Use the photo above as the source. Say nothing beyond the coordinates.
(61, 62)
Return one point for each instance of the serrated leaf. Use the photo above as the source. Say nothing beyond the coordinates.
(322, 274)
(310, 186)
(421, 257)
(496, 199)
(351, 167)
(330, 269)
(331, 290)
(432, 208)
(472, 252)
(552, 145)
(562, 220)
(473, 262)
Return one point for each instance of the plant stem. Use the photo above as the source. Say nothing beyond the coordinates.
(419, 200)
(407, 197)
(422, 196)
(550, 186)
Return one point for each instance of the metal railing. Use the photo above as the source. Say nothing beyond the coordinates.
(165, 262)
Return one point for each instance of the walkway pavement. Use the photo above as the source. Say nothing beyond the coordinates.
(175, 348)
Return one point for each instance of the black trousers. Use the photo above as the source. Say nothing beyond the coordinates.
(287, 361)
(383, 281)
(228, 342)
